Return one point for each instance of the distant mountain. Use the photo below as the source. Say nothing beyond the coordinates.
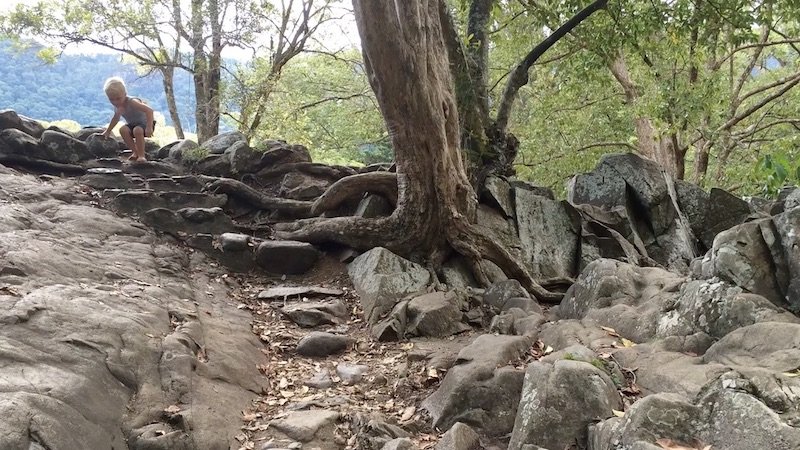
(72, 88)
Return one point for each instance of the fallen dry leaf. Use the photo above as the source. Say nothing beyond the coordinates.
(172, 409)
(610, 331)
(408, 413)
(618, 413)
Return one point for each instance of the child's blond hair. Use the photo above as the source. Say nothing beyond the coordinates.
(115, 85)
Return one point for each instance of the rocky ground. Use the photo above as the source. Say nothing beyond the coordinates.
(149, 307)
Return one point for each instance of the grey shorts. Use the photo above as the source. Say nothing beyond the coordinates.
(133, 125)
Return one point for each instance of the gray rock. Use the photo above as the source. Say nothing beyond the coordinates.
(320, 380)
(382, 278)
(392, 327)
(283, 292)
(215, 165)
(63, 148)
(399, 444)
(693, 201)
(137, 202)
(769, 345)
(145, 360)
(537, 190)
(351, 373)
(244, 159)
(762, 257)
(178, 150)
(220, 143)
(300, 186)
(560, 401)
(649, 199)
(499, 293)
(722, 417)
(232, 242)
(101, 148)
(306, 426)
(188, 220)
(497, 194)
(286, 257)
(725, 211)
(9, 119)
(459, 437)
(111, 179)
(312, 314)
(374, 206)
(279, 153)
(549, 232)
(437, 314)
(189, 183)
(457, 275)
(318, 343)
(479, 389)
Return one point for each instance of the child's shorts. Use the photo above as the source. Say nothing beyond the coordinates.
(133, 125)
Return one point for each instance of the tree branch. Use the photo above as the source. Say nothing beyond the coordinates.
(519, 77)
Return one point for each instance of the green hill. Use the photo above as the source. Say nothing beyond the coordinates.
(72, 87)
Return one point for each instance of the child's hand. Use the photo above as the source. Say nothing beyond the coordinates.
(148, 131)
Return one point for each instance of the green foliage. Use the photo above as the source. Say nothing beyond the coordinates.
(775, 172)
(194, 154)
(326, 104)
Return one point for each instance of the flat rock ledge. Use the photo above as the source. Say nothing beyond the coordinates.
(108, 340)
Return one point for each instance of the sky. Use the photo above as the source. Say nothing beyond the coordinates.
(341, 35)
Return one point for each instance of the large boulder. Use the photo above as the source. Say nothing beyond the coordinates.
(382, 278)
(559, 401)
(10, 119)
(220, 143)
(648, 196)
(762, 257)
(724, 211)
(549, 232)
(730, 414)
(63, 148)
(481, 389)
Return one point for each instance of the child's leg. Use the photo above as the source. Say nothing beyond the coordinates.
(127, 137)
(138, 134)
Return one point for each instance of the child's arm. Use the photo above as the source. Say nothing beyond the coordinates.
(148, 111)
(111, 125)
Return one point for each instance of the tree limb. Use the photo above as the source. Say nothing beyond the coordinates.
(519, 77)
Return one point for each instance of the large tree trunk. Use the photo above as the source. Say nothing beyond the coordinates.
(661, 149)
(408, 68)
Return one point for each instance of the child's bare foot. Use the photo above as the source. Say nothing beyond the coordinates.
(141, 159)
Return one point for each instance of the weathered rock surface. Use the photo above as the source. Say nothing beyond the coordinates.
(105, 343)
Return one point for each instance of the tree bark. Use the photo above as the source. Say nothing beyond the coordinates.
(661, 149)
(167, 73)
(408, 68)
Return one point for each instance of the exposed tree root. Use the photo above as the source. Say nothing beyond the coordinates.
(364, 234)
(317, 169)
(251, 196)
(356, 232)
(475, 246)
(383, 183)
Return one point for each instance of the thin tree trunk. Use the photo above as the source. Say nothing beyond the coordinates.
(168, 79)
